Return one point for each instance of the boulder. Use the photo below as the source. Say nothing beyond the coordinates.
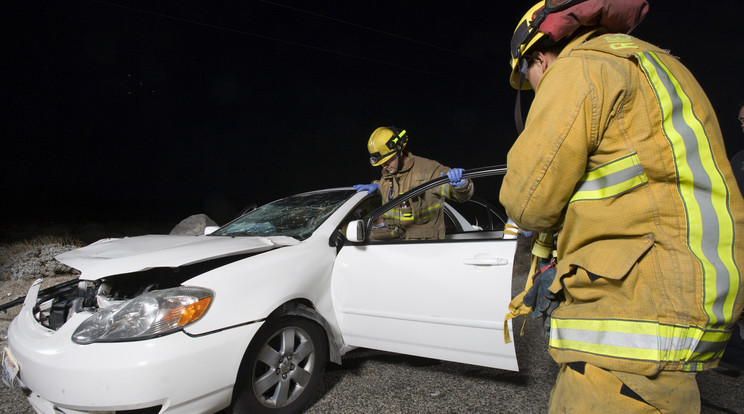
(193, 225)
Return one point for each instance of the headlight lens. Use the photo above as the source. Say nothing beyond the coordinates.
(152, 314)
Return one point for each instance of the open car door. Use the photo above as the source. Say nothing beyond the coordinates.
(443, 299)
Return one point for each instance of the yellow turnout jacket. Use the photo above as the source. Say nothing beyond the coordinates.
(623, 152)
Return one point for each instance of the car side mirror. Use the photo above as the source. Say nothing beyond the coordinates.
(210, 229)
(355, 231)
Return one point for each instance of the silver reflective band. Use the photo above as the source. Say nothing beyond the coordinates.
(611, 179)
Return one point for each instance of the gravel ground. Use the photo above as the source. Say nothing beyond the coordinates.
(378, 382)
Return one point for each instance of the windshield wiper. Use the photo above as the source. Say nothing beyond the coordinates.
(246, 234)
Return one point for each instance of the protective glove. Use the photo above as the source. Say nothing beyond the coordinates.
(455, 177)
(369, 188)
(542, 301)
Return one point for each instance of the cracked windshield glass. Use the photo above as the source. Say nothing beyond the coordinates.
(296, 216)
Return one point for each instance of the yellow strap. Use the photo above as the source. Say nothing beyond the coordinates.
(542, 245)
(511, 229)
(517, 306)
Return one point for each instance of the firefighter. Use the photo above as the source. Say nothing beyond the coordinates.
(737, 161)
(422, 217)
(622, 154)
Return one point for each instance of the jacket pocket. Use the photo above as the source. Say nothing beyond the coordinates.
(611, 259)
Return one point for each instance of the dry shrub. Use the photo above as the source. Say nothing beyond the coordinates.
(31, 259)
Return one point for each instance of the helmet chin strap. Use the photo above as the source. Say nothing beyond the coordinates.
(518, 119)
(399, 155)
(395, 156)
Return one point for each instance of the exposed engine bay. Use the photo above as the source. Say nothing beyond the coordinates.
(57, 304)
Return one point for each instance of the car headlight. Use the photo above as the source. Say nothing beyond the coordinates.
(149, 315)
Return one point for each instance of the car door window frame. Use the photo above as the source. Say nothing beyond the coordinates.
(367, 221)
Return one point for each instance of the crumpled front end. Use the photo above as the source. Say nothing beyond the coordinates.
(60, 375)
(116, 338)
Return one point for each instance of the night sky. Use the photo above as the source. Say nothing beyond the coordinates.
(124, 110)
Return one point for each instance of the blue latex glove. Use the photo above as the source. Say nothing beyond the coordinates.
(369, 188)
(455, 177)
(542, 301)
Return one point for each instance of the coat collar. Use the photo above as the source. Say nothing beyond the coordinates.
(581, 38)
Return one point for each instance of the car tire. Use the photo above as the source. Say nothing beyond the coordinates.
(283, 368)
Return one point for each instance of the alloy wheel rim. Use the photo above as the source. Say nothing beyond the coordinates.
(283, 367)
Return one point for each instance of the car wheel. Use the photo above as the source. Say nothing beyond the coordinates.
(283, 367)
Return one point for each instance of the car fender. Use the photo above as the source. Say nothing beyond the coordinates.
(249, 290)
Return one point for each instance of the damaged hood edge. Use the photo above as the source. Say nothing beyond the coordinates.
(115, 256)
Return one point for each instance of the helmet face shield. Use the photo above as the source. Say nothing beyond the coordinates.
(528, 33)
(525, 36)
(519, 39)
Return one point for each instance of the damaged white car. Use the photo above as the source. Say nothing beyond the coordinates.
(246, 318)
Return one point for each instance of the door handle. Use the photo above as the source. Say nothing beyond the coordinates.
(487, 261)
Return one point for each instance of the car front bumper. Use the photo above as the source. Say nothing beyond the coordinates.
(181, 373)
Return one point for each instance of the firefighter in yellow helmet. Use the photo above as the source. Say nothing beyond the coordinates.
(622, 155)
(422, 217)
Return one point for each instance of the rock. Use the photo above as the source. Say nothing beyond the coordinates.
(193, 225)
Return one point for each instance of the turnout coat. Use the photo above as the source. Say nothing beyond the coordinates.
(623, 153)
(421, 217)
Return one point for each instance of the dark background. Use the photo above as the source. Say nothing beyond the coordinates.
(157, 110)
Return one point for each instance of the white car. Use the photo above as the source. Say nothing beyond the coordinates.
(246, 318)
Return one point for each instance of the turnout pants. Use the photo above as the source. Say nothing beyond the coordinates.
(584, 388)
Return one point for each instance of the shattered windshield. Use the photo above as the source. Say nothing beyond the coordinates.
(296, 216)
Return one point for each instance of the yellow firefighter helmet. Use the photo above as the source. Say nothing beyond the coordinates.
(525, 36)
(384, 143)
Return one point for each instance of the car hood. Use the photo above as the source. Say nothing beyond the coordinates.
(115, 256)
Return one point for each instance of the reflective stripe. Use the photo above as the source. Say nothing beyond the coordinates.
(611, 179)
(446, 190)
(638, 340)
(710, 238)
(703, 190)
(426, 213)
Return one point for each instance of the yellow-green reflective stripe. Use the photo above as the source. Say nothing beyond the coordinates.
(394, 213)
(611, 179)
(702, 188)
(428, 212)
(638, 340)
